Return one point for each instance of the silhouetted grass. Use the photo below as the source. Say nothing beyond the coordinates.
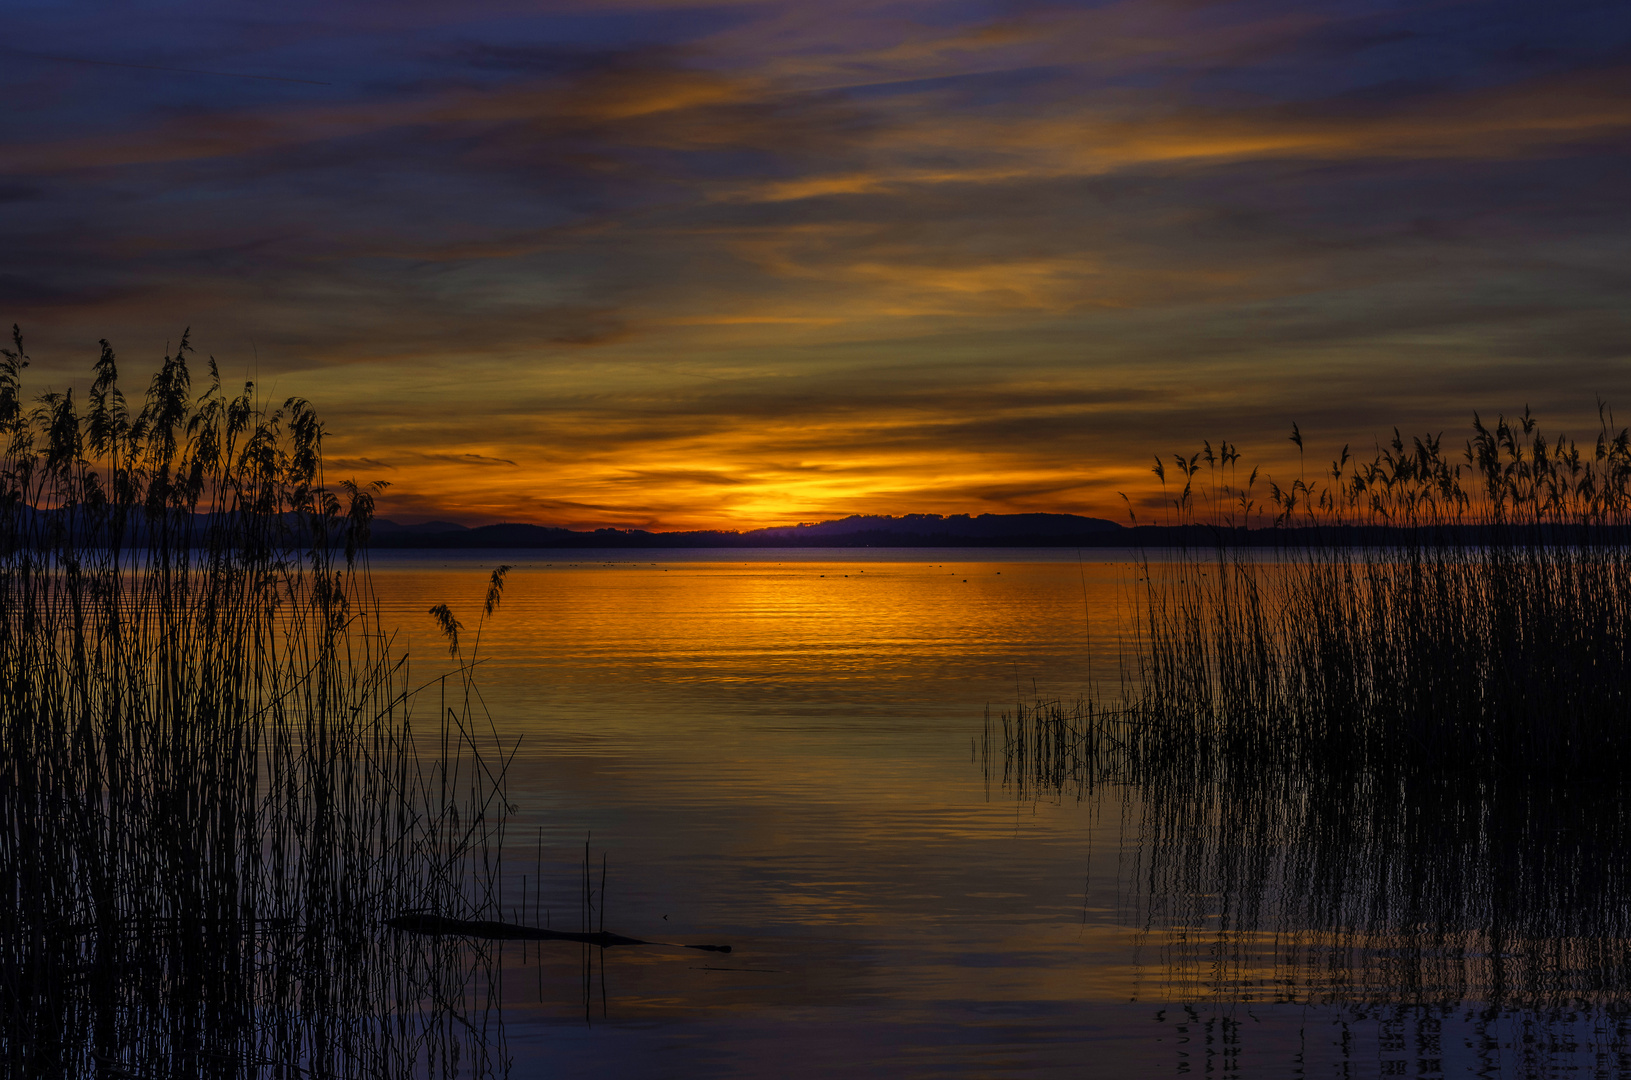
(1389, 771)
(211, 795)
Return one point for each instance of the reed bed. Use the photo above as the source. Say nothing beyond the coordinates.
(1375, 747)
(212, 795)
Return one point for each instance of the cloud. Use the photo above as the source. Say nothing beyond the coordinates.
(670, 266)
(357, 463)
(467, 459)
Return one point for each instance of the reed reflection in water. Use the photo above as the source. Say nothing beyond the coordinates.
(1325, 885)
(773, 749)
(1381, 776)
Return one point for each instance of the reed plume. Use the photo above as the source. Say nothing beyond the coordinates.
(211, 792)
(1372, 732)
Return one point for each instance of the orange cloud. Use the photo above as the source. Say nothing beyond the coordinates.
(825, 260)
(1543, 116)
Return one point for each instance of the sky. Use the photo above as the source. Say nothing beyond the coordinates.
(655, 264)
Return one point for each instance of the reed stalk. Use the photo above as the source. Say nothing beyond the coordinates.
(1374, 739)
(212, 795)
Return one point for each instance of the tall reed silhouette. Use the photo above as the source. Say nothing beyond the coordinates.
(211, 793)
(1386, 756)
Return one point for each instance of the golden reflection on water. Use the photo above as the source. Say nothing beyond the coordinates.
(707, 638)
(782, 747)
(775, 750)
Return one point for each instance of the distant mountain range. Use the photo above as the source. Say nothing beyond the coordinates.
(986, 530)
(910, 530)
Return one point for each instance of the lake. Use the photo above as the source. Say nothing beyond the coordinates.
(781, 750)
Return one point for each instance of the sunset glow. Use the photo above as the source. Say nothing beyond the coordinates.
(670, 266)
(882, 539)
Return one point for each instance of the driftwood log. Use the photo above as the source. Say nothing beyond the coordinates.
(502, 931)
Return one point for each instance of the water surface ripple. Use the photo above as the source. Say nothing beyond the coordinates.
(777, 749)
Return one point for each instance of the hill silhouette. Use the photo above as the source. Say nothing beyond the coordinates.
(910, 530)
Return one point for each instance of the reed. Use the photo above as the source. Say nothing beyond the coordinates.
(1373, 737)
(212, 795)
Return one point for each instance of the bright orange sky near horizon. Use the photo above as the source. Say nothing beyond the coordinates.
(665, 265)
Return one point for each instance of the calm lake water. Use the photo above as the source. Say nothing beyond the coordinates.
(777, 750)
